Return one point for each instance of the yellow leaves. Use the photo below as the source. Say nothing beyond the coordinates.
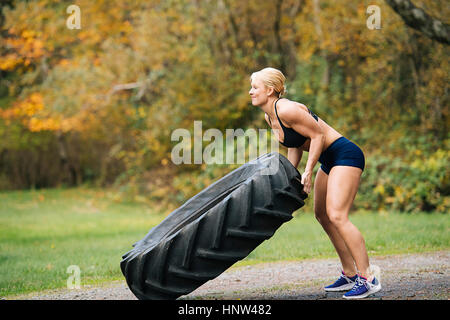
(9, 62)
(126, 27)
(27, 34)
(443, 207)
(154, 144)
(431, 162)
(307, 52)
(26, 108)
(186, 29)
(50, 124)
(398, 191)
(141, 112)
(82, 121)
(87, 34)
(30, 112)
(36, 100)
(308, 90)
(249, 44)
(26, 47)
(64, 62)
(379, 189)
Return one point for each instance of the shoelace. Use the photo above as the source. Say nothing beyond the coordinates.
(359, 282)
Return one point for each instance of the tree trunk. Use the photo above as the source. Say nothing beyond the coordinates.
(277, 33)
(323, 53)
(418, 19)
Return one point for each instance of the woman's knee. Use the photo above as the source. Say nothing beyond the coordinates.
(337, 218)
(321, 216)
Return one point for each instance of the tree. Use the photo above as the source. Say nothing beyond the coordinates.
(418, 19)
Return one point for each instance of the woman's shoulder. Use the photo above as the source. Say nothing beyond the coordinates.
(289, 108)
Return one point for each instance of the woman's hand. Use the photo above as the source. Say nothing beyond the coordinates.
(307, 181)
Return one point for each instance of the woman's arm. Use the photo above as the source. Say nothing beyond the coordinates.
(315, 149)
(295, 156)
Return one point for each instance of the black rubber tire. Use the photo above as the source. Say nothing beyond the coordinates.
(214, 229)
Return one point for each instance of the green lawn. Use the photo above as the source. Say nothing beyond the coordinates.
(43, 232)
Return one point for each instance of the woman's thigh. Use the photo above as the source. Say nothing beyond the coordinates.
(342, 186)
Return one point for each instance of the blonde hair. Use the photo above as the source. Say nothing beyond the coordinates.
(272, 78)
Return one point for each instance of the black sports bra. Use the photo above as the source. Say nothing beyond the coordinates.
(292, 139)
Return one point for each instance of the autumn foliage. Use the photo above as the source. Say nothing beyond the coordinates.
(98, 104)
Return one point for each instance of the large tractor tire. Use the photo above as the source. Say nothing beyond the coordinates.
(214, 229)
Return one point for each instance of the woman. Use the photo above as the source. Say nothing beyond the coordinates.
(337, 180)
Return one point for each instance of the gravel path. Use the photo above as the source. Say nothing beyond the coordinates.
(411, 276)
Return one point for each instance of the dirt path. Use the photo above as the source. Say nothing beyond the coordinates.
(414, 276)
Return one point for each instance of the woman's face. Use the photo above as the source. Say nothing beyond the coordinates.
(258, 92)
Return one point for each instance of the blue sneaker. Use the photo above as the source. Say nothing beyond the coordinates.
(363, 288)
(342, 284)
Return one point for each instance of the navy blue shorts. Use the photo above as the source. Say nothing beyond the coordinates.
(342, 152)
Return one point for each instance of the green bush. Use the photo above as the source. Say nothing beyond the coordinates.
(416, 183)
(416, 180)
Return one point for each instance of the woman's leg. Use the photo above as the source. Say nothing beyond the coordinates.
(320, 209)
(342, 185)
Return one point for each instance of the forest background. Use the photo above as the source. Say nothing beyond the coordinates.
(97, 105)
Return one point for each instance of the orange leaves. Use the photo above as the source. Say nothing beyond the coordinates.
(9, 62)
(26, 111)
(26, 108)
(30, 112)
(24, 48)
(36, 125)
(190, 60)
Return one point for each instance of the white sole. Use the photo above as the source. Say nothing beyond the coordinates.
(372, 290)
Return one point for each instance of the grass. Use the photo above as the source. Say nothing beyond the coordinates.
(43, 232)
(395, 233)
